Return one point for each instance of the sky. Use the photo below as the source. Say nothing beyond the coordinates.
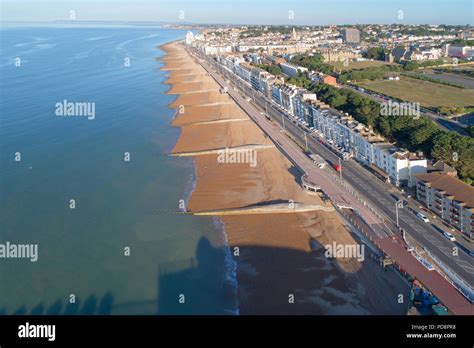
(297, 12)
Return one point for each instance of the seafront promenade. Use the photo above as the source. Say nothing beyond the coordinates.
(383, 236)
(279, 245)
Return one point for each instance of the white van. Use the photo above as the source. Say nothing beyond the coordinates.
(422, 217)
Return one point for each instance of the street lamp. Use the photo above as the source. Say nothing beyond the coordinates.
(340, 168)
(398, 204)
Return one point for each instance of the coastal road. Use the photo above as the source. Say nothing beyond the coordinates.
(377, 193)
(390, 244)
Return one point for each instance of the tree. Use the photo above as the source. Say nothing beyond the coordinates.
(274, 70)
(300, 81)
(411, 65)
(314, 62)
(377, 53)
(442, 147)
(383, 126)
(422, 136)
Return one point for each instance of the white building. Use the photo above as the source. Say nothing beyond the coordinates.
(255, 58)
(288, 93)
(215, 50)
(301, 105)
(459, 51)
(432, 53)
(189, 38)
(392, 164)
(401, 166)
(261, 81)
(291, 69)
(276, 94)
(243, 71)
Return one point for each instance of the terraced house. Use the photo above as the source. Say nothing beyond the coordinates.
(352, 138)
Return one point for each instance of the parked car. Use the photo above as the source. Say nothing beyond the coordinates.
(449, 236)
(337, 167)
(422, 217)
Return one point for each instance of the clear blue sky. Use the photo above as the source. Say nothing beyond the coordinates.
(245, 11)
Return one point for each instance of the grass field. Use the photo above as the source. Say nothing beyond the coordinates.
(357, 65)
(424, 92)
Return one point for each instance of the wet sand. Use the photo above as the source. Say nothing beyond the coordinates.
(279, 256)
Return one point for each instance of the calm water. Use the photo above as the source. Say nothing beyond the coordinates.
(81, 250)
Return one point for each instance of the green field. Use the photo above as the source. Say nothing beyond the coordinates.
(357, 65)
(426, 93)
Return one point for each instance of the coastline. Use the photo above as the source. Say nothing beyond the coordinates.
(277, 255)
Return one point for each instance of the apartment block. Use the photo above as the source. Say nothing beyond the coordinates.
(243, 71)
(276, 94)
(351, 35)
(261, 81)
(449, 198)
(301, 104)
(288, 93)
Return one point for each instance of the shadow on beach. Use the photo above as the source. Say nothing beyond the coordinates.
(267, 276)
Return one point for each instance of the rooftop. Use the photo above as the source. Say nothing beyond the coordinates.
(441, 166)
(453, 187)
(408, 155)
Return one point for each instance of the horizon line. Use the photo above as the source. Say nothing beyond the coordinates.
(62, 21)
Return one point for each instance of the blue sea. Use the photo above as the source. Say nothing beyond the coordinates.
(90, 191)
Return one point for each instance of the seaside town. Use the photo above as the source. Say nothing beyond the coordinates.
(233, 166)
(386, 102)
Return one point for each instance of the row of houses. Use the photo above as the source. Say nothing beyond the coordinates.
(439, 191)
(353, 138)
(358, 141)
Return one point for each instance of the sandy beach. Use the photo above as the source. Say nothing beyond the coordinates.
(280, 256)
